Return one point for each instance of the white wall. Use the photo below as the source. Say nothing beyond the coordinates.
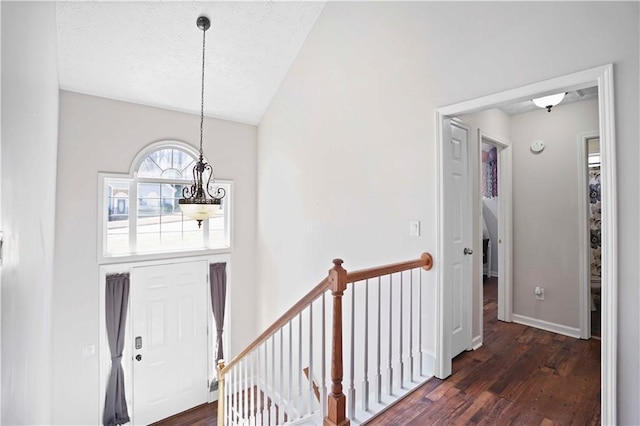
(101, 135)
(545, 211)
(346, 153)
(29, 140)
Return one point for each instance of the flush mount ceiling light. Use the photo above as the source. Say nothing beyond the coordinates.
(549, 102)
(199, 201)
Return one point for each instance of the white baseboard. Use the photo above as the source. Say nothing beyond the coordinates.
(548, 326)
(429, 362)
(493, 273)
(476, 342)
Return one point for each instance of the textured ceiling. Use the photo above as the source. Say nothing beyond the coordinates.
(150, 52)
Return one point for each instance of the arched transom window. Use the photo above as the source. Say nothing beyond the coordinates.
(141, 210)
(167, 163)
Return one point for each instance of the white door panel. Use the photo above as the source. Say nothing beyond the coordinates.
(457, 231)
(169, 314)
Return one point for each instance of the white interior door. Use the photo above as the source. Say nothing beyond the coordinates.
(169, 319)
(457, 236)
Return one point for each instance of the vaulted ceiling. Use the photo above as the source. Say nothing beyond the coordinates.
(151, 52)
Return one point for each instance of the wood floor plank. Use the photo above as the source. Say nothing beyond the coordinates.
(202, 415)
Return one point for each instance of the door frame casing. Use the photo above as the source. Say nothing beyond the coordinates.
(602, 77)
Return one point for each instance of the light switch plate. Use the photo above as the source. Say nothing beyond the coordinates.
(414, 228)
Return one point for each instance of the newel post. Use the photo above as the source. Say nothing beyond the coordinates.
(336, 401)
(221, 395)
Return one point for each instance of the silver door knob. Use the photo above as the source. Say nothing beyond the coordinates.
(467, 250)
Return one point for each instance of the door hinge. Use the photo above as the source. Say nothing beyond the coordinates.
(1, 248)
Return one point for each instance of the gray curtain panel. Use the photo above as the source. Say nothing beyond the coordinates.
(117, 299)
(218, 283)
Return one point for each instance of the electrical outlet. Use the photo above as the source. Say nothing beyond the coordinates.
(539, 292)
(88, 351)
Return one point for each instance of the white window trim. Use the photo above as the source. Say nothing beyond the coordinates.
(132, 256)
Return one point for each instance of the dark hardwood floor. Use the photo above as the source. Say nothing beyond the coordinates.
(202, 415)
(596, 313)
(520, 376)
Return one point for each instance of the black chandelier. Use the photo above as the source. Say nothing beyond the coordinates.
(199, 201)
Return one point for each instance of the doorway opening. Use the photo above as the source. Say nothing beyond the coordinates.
(591, 234)
(595, 233)
(489, 209)
(602, 78)
(490, 203)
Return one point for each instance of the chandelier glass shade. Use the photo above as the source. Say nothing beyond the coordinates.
(201, 200)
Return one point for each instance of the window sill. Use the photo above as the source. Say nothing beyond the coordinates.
(138, 257)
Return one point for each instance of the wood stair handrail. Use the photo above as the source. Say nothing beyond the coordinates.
(425, 261)
(280, 322)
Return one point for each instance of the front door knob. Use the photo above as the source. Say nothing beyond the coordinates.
(139, 357)
(467, 250)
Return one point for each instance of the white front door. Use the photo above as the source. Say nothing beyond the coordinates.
(169, 323)
(457, 236)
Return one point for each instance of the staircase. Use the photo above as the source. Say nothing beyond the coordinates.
(298, 372)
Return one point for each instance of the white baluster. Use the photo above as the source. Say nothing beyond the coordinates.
(238, 403)
(235, 393)
(281, 384)
(240, 400)
(379, 345)
(272, 394)
(252, 389)
(290, 391)
(351, 394)
(299, 372)
(263, 375)
(390, 344)
(232, 385)
(229, 404)
(239, 392)
(411, 325)
(323, 402)
(232, 395)
(365, 383)
(420, 320)
(245, 386)
(401, 380)
(311, 393)
(227, 396)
